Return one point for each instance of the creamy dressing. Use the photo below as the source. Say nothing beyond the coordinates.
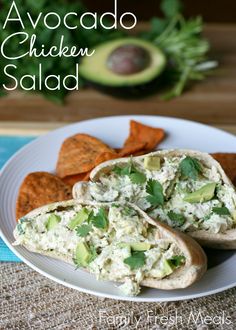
(112, 245)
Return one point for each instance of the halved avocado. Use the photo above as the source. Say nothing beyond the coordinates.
(124, 66)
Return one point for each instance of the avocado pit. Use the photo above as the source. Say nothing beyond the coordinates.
(128, 59)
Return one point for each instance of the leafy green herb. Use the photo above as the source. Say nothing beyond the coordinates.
(138, 177)
(23, 220)
(130, 170)
(136, 260)
(122, 170)
(221, 210)
(19, 226)
(50, 65)
(176, 261)
(99, 220)
(171, 8)
(190, 168)
(20, 229)
(129, 211)
(177, 218)
(184, 46)
(155, 193)
(83, 230)
(116, 205)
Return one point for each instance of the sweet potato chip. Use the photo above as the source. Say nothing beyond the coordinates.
(132, 149)
(141, 152)
(72, 179)
(140, 133)
(106, 156)
(38, 189)
(228, 162)
(78, 154)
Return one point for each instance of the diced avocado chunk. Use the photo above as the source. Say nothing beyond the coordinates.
(234, 216)
(52, 221)
(152, 163)
(136, 246)
(82, 254)
(80, 217)
(167, 268)
(204, 194)
(140, 246)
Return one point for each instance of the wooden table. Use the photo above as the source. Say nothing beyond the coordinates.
(212, 101)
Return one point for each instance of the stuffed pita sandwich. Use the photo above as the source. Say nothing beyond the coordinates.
(115, 242)
(187, 190)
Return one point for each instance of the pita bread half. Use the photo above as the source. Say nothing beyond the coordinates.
(225, 240)
(195, 259)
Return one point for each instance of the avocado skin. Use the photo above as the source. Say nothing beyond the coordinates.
(131, 92)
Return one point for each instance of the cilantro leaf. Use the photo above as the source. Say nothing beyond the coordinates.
(176, 261)
(20, 229)
(221, 210)
(129, 211)
(138, 177)
(171, 8)
(99, 220)
(178, 218)
(190, 168)
(155, 193)
(131, 171)
(136, 260)
(83, 230)
(122, 170)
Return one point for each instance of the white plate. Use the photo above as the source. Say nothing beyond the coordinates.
(42, 153)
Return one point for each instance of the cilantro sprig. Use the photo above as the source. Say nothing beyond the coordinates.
(221, 210)
(48, 37)
(177, 218)
(177, 261)
(100, 220)
(190, 168)
(132, 172)
(182, 42)
(155, 193)
(136, 260)
(83, 230)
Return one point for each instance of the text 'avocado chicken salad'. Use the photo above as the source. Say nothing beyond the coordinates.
(112, 241)
(180, 190)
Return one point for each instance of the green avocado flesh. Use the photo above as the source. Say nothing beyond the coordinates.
(152, 163)
(52, 221)
(82, 254)
(80, 217)
(206, 193)
(97, 69)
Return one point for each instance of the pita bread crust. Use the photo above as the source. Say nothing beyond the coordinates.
(225, 241)
(196, 260)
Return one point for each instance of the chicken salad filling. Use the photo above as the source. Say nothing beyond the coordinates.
(179, 190)
(113, 242)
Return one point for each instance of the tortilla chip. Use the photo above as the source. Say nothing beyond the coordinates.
(132, 149)
(140, 133)
(142, 152)
(38, 189)
(78, 154)
(73, 179)
(228, 162)
(106, 156)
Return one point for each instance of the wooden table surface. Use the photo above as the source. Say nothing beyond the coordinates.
(212, 101)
